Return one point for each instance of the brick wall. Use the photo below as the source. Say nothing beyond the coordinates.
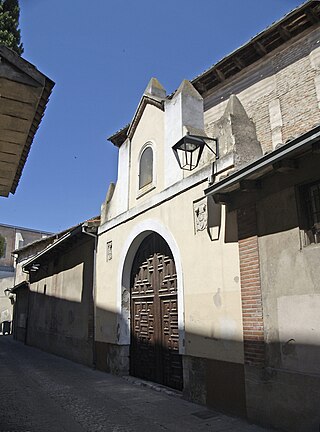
(252, 313)
(286, 75)
(295, 88)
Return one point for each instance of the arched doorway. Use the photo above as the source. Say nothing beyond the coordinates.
(154, 348)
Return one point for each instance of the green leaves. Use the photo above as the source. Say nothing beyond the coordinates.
(9, 23)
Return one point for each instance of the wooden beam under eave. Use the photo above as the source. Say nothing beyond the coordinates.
(17, 108)
(6, 182)
(221, 198)
(312, 17)
(316, 148)
(261, 50)
(16, 124)
(14, 137)
(201, 87)
(10, 147)
(285, 165)
(284, 33)
(7, 171)
(239, 63)
(20, 92)
(10, 158)
(4, 192)
(219, 74)
(250, 185)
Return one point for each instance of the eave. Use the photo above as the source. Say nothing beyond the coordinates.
(67, 239)
(58, 246)
(279, 33)
(261, 168)
(299, 20)
(24, 95)
(128, 131)
(120, 136)
(21, 285)
(145, 100)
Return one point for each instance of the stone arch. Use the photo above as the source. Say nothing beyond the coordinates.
(131, 246)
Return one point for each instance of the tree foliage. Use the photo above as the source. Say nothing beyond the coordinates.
(9, 25)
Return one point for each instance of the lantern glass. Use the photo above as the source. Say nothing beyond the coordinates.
(188, 152)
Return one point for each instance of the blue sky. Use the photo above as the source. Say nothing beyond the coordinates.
(101, 55)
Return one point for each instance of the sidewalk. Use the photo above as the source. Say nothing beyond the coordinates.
(40, 392)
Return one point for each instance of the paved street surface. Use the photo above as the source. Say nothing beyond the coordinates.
(40, 392)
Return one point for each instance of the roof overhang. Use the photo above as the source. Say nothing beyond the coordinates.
(291, 25)
(128, 131)
(281, 159)
(145, 100)
(24, 94)
(120, 136)
(66, 241)
(21, 285)
(58, 246)
(301, 19)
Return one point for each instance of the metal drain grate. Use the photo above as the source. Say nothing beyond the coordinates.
(205, 415)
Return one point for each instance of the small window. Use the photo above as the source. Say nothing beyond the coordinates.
(310, 200)
(146, 168)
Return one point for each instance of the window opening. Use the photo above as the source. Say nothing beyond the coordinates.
(146, 168)
(311, 208)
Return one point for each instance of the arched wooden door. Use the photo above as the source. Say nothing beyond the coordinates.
(154, 349)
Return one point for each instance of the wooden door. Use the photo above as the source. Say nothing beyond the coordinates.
(154, 349)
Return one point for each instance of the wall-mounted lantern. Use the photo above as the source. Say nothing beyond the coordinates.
(189, 149)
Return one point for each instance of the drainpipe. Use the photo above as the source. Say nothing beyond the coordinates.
(27, 319)
(12, 299)
(95, 236)
(28, 305)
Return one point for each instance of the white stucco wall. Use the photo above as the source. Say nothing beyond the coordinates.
(149, 130)
(210, 321)
(120, 200)
(209, 302)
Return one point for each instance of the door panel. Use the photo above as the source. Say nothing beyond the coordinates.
(154, 351)
(172, 364)
(144, 348)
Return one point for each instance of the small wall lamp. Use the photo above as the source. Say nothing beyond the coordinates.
(189, 149)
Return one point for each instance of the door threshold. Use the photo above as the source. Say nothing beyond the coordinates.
(153, 386)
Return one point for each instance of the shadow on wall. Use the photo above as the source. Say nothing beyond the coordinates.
(269, 394)
(55, 325)
(57, 314)
(280, 206)
(284, 391)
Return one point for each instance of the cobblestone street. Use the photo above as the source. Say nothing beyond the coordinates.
(44, 393)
